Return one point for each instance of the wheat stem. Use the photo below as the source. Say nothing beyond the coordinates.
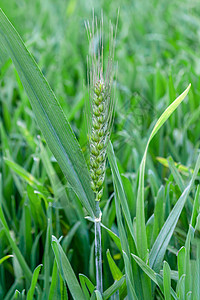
(98, 255)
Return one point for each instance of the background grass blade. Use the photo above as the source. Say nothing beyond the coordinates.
(140, 218)
(142, 283)
(53, 294)
(98, 295)
(158, 250)
(4, 258)
(33, 283)
(120, 189)
(31, 180)
(86, 285)
(166, 280)
(113, 288)
(66, 270)
(116, 273)
(154, 276)
(20, 258)
(49, 115)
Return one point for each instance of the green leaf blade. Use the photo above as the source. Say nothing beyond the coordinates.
(141, 236)
(33, 283)
(66, 270)
(49, 115)
(161, 243)
(166, 280)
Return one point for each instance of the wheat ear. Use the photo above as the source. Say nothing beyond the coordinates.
(101, 104)
(100, 118)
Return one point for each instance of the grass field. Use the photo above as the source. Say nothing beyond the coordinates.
(150, 224)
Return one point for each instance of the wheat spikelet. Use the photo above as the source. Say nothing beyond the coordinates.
(101, 103)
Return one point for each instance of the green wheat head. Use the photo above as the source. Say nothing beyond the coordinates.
(101, 103)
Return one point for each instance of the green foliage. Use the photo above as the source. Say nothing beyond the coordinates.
(150, 205)
(49, 115)
(66, 270)
(33, 283)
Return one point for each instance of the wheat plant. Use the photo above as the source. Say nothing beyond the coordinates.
(149, 220)
(100, 110)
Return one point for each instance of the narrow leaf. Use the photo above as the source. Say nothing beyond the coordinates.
(5, 258)
(30, 179)
(119, 189)
(86, 284)
(154, 276)
(140, 218)
(177, 177)
(54, 280)
(98, 295)
(33, 283)
(66, 270)
(116, 273)
(181, 168)
(49, 115)
(166, 280)
(114, 287)
(19, 256)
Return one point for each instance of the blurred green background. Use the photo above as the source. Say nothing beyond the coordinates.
(157, 55)
(157, 51)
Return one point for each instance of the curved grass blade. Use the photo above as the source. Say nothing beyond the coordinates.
(5, 258)
(49, 115)
(140, 218)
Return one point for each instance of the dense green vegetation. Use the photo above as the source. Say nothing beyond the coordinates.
(157, 55)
